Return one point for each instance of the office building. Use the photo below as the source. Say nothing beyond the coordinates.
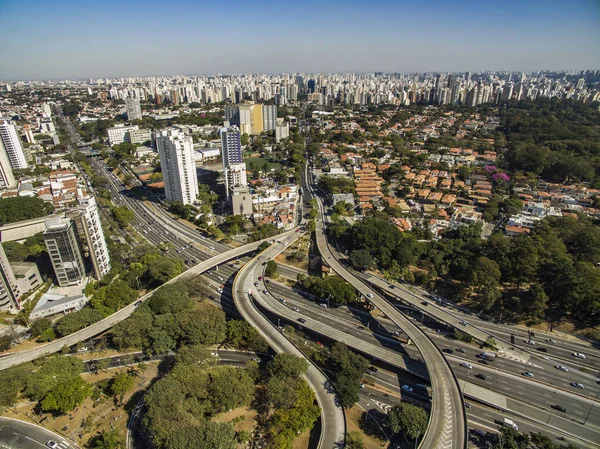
(64, 251)
(129, 134)
(89, 227)
(9, 290)
(176, 151)
(7, 178)
(12, 146)
(269, 117)
(134, 110)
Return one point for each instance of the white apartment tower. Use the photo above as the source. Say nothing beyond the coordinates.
(63, 247)
(12, 145)
(9, 290)
(176, 151)
(134, 110)
(87, 220)
(7, 178)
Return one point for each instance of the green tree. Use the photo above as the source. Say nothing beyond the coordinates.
(121, 384)
(77, 320)
(354, 440)
(109, 439)
(66, 395)
(172, 298)
(286, 365)
(271, 269)
(122, 215)
(408, 418)
(39, 326)
(361, 259)
(20, 208)
(107, 300)
(230, 388)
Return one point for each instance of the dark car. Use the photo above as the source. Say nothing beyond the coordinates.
(481, 376)
(461, 350)
(560, 408)
(542, 349)
(484, 362)
(137, 303)
(301, 320)
(447, 351)
(424, 303)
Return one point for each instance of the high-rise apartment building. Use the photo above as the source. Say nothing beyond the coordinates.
(12, 145)
(235, 176)
(257, 119)
(7, 178)
(87, 220)
(134, 110)
(231, 146)
(176, 151)
(282, 131)
(9, 290)
(269, 117)
(65, 253)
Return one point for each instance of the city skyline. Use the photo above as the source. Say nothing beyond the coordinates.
(269, 37)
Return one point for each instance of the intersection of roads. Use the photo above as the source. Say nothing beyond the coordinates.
(492, 389)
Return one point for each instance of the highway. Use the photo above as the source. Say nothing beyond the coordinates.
(15, 434)
(447, 426)
(333, 423)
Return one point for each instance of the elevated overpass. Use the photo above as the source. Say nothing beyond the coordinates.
(105, 324)
(333, 423)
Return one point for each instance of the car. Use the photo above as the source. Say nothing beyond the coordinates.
(529, 342)
(211, 297)
(579, 355)
(256, 284)
(265, 292)
(424, 303)
(466, 365)
(577, 385)
(396, 333)
(259, 257)
(483, 362)
(301, 320)
(542, 349)
(481, 376)
(370, 295)
(260, 278)
(407, 388)
(323, 305)
(282, 299)
(214, 354)
(267, 281)
(463, 323)
(362, 385)
(255, 359)
(461, 350)
(467, 405)
(264, 263)
(82, 349)
(295, 309)
(562, 368)
(52, 444)
(549, 340)
(527, 374)
(137, 303)
(448, 351)
(391, 286)
(560, 408)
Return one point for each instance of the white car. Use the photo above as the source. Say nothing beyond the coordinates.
(82, 349)
(407, 388)
(362, 385)
(530, 342)
(528, 374)
(323, 305)
(579, 355)
(577, 385)
(52, 444)
(562, 368)
(370, 295)
(214, 354)
(466, 365)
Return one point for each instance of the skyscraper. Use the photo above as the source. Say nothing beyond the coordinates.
(134, 110)
(231, 155)
(176, 151)
(9, 290)
(63, 247)
(7, 178)
(88, 224)
(12, 146)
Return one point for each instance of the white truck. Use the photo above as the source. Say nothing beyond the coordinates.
(510, 423)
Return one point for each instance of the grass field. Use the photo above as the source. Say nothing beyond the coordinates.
(260, 161)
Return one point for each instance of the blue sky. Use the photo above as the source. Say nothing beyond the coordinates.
(89, 38)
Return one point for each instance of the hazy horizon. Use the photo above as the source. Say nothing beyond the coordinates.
(76, 40)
